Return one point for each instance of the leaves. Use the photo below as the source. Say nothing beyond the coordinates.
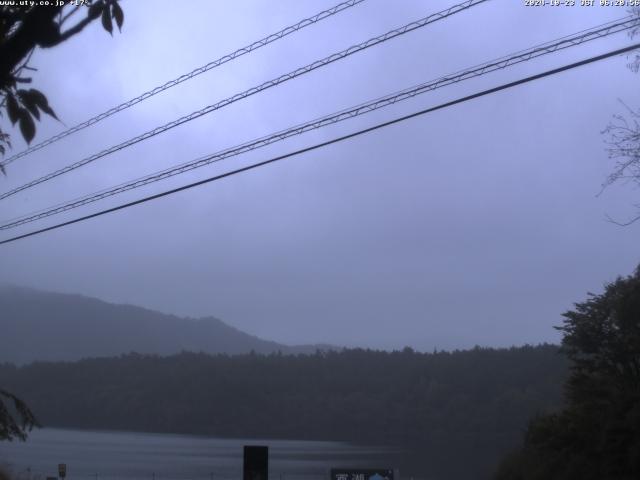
(13, 109)
(5, 138)
(38, 99)
(28, 101)
(106, 20)
(25, 105)
(95, 10)
(11, 427)
(3, 150)
(109, 9)
(27, 126)
(118, 15)
(31, 103)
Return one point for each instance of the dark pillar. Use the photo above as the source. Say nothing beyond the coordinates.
(256, 463)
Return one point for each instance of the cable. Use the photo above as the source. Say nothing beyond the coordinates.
(239, 96)
(332, 141)
(597, 32)
(565, 42)
(188, 76)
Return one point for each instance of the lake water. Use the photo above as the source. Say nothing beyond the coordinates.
(91, 455)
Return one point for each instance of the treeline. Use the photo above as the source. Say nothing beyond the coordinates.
(471, 403)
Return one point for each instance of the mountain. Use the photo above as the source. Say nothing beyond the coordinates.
(37, 325)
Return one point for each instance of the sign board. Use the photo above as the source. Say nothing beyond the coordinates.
(361, 474)
(256, 463)
(62, 470)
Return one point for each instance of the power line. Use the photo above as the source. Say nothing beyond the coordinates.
(188, 76)
(252, 91)
(332, 141)
(597, 32)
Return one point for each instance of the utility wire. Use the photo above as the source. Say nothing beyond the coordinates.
(188, 76)
(332, 141)
(584, 36)
(252, 91)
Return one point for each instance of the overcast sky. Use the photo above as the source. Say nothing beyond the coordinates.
(478, 224)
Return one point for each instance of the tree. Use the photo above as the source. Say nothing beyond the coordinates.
(623, 146)
(16, 419)
(623, 139)
(602, 339)
(22, 30)
(597, 435)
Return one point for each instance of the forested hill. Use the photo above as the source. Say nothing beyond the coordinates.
(467, 404)
(38, 325)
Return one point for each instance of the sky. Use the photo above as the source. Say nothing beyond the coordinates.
(479, 224)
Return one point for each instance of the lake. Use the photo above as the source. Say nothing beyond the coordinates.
(92, 455)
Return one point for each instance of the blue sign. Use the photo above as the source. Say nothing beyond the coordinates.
(361, 474)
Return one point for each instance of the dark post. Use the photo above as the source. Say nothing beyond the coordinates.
(256, 463)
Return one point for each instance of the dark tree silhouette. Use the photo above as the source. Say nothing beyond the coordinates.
(22, 30)
(15, 417)
(597, 435)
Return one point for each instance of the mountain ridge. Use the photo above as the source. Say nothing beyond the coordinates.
(39, 325)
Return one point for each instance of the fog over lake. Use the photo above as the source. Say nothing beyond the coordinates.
(165, 456)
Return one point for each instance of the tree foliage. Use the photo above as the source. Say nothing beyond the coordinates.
(443, 406)
(23, 28)
(16, 419)
(597, 435)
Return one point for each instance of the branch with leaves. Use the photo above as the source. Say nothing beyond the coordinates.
(16, 419)
(22, 30)
(25, 105)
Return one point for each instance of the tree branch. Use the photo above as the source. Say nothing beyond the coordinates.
(77, 28)
(622, 224)
(38, 28)
(70, 14)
